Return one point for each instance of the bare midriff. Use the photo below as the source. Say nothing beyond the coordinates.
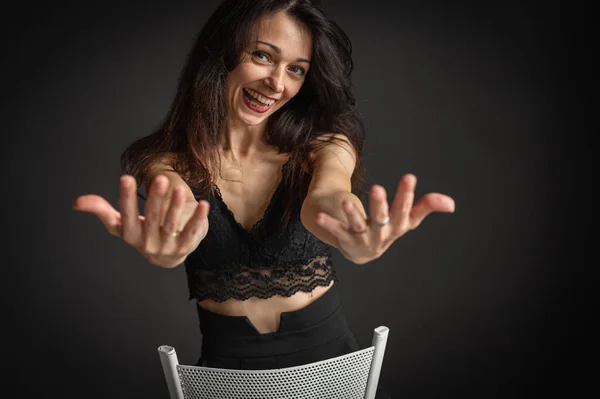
(265, 314)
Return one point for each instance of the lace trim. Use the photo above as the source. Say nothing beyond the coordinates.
(242, 282)
(272, 202)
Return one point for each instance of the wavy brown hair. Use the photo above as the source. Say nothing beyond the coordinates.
(192, 128)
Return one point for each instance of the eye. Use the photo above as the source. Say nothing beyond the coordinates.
(261, 55)
(298, 70)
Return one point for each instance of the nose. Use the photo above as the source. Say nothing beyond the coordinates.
(275, 79)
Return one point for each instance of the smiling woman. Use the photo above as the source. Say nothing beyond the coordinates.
(271, 71)
(253, 179)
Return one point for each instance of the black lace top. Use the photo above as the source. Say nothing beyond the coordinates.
(232, 262)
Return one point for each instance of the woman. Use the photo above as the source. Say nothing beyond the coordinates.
(253, 178)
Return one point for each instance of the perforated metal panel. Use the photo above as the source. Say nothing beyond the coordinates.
(343, 377)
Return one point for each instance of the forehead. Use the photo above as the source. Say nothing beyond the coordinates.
(285, 32)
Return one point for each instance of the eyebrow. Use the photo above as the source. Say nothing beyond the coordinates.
(278, 50)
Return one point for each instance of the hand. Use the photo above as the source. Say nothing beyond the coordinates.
(170, 230)
(361, 240)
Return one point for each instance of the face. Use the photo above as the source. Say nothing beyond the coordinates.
(272, 70)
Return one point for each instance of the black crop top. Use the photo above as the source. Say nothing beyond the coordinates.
(232, 262)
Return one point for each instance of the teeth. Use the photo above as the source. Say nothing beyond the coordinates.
(257, 96)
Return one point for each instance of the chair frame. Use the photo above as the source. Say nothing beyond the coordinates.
(171, 366)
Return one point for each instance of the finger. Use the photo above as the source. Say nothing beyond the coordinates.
(131, 228)
(171, 223)
(432, 202)
(117, 228)
(378, 211)
(401, 206)
(196, 228)
(110, 218)
(140, 217)
(355, 220)
(335, 227)
(153, 211)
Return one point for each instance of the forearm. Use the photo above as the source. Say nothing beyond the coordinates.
(330, 202)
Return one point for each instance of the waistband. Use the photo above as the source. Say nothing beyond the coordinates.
(319, 322)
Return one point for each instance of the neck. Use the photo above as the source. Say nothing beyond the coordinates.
(243, 142)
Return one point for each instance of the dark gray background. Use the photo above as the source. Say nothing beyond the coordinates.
(469, 98)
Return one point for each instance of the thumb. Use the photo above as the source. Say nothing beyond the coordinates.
(432, 202)
(109, 216)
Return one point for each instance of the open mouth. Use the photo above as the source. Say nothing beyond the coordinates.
(257, 102)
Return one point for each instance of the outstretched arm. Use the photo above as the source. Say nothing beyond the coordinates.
(329, 187)
(336, 216)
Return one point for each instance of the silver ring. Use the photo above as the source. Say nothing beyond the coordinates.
(382, 223)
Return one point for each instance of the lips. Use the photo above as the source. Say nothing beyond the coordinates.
(256, 101)
(259, 96)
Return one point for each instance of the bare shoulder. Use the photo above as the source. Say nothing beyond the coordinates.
(164, 166)
(161, 165)
(165, 161)
(333, 150)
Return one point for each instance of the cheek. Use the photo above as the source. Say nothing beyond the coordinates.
(238, 77)
(248, 72)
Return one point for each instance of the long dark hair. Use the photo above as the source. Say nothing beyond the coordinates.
(189, 135)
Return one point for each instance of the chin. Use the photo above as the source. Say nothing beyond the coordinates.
(255, 120)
